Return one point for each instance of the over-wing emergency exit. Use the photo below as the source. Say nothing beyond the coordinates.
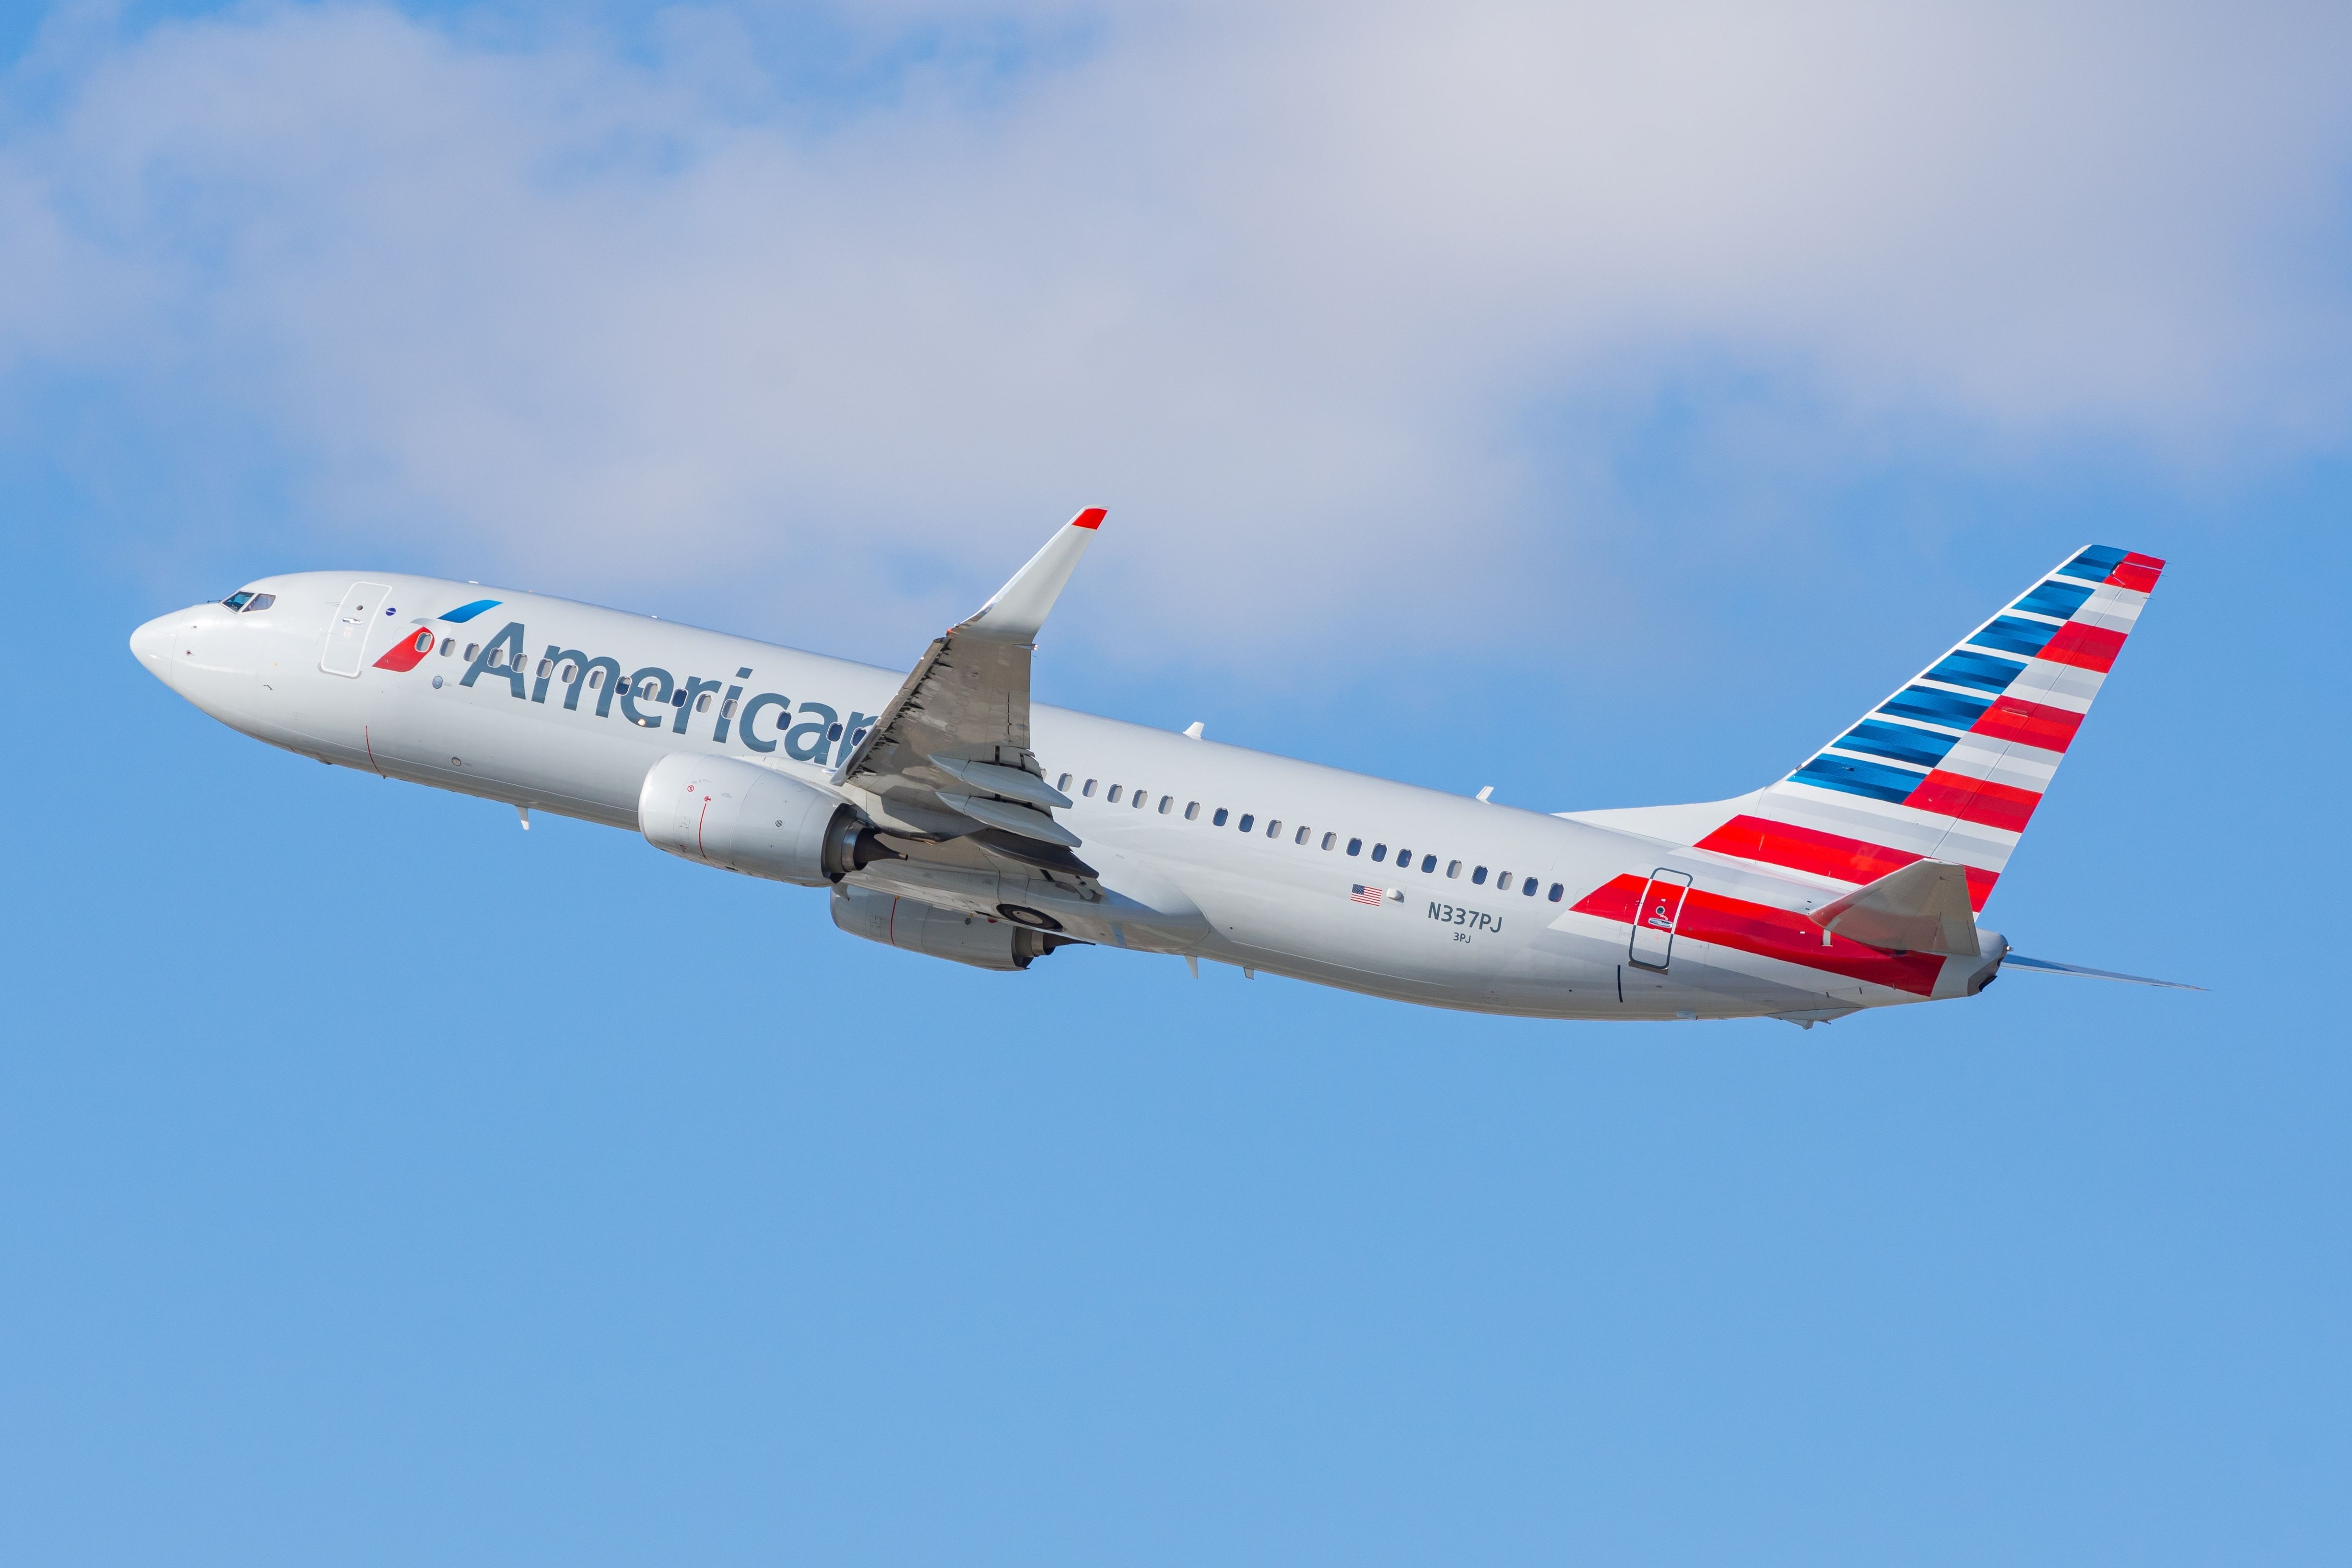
(947, 815)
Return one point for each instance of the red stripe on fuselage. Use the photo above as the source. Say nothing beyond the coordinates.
(404, 654)
(1768, 933)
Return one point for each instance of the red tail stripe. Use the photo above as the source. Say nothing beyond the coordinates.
(1975, 800)
(1811, 851)
(2084, 647)
(2137, 573)
(1768, 932)
(2015, 718)
(1805, 850)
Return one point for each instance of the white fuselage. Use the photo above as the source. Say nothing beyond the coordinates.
(1286, 896)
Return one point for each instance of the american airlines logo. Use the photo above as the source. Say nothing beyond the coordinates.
(648, 697)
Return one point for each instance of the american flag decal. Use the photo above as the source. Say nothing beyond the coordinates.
(1363, 895)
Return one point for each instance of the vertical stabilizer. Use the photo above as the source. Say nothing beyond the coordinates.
(1952, 766)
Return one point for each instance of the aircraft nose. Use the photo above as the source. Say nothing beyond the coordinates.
(151, 644)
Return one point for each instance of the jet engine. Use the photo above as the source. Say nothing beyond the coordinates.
(977, 940)
(740, 817)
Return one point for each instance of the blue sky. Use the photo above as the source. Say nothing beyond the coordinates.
(1604, 405)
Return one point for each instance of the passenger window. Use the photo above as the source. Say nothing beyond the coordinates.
(1113, 795)
(1165, 802)
(261, 602)
(1330, 839)
(1380, 852)
(1429, 864)
(1143, 798)
(237, 601)
(1219, 818)
(1453, 867)
(566, 673)
(596, 678)
(1478, 876)
(473, 651)
(1247, 822)
(1301, 838)
(1502, 882)
(1556, 892)
(546, 666)
(1274, 828)
(1089, 790)
(702, 703)
(1356, 847)
(1191, 811)
(1065, 785)
(833, 732)
(521, 661)
(727, 710)
(1530, 889)
(448, 647)
(1405, 860)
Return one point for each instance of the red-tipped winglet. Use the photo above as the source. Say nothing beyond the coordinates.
(1019, 608)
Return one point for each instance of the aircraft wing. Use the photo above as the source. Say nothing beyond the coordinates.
(950, 756)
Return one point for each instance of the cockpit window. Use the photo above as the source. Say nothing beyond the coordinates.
(238, 600)
(261, 602)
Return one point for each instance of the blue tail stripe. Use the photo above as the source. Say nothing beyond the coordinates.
(1856, 777)
(1982, 671)
(1899, 743)
(2055, 598)
(2094, 564)
(1931, 706)
(2011, 635)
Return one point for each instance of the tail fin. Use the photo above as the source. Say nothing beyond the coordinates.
(1952, 766)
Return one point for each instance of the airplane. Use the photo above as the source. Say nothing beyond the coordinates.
(947, 815)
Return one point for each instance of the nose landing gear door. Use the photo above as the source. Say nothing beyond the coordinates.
(347, 634)
(1655, 917)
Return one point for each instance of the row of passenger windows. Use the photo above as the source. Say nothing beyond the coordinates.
(1529, 885)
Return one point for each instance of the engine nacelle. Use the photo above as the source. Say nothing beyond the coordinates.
(976, 939)
(740, 817)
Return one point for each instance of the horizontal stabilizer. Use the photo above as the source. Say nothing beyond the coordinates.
(2045, 966)
(1923, 907)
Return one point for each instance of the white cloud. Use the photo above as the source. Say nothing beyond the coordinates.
(1274, 284)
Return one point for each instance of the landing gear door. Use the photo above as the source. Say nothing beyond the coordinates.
(1655, 917)
(347, 634)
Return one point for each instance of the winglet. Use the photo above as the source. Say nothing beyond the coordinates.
(1019, 608)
